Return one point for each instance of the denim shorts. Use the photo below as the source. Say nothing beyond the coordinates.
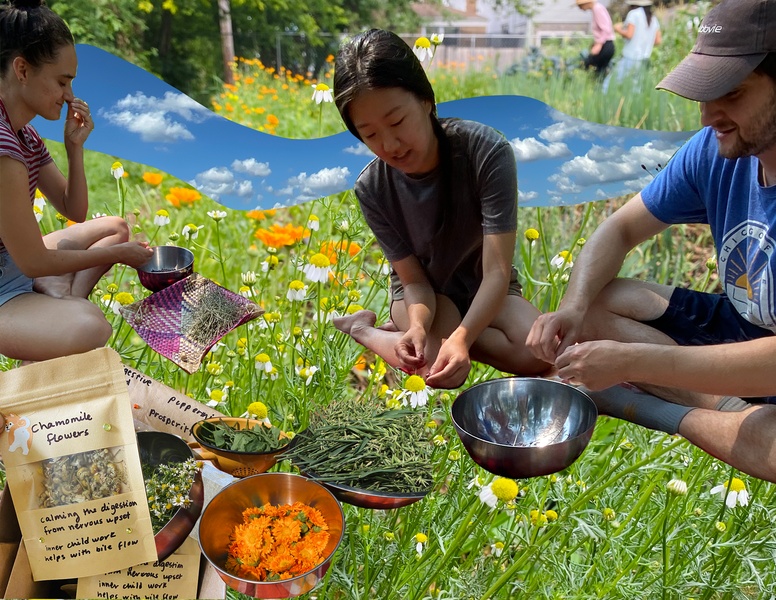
(700, 319)
(12, 281)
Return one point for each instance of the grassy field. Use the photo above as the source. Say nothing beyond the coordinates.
(610, 526)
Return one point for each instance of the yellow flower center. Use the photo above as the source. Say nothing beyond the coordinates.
(422, 42)
(296, 285)
(162, 213)
(320, 260)
(414, 383)
(112, 288)
(192, 227)
(551, 515)
(531, 234)
(421, 538)
(124, 298)
(217, 395)
(116, 165)
(259, 409)
(262, 358)
(504, 489)
(736, 485)
(321, 87)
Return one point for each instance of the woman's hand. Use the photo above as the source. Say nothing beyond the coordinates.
(410, 349)
(134, 254)
(78, 124)
(451, 366)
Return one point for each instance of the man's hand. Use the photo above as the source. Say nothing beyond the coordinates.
(596, 365)
(553, 332)
(451, 366)
(410, 349)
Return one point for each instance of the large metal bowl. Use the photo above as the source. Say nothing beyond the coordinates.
(524, 427)
(158, 448)
(225, 510)
(167, 265)
(369, 498)
(237, 464)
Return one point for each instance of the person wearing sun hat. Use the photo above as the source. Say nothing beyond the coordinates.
(602, 50)
(707, 357)
(641, 31)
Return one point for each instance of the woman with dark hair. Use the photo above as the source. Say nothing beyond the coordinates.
(441, 199)
(45, 280)
(641, 31)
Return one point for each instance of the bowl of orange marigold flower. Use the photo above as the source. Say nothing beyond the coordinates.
(272, 535)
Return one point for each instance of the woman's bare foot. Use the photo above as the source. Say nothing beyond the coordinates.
(356, 323)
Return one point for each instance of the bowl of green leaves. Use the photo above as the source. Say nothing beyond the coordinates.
(241, 446)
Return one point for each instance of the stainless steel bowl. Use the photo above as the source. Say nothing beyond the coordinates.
(369, 498)
(158, 448)
(225, 510)
(524, 427)
(167, 265)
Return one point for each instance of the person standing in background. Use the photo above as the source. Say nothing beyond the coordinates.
(641, 31)
(602, 50)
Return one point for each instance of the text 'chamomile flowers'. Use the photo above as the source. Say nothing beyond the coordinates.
(217, 215)
(161, 218)
(297, 291)
(734, 494)
(322, 93)
(190, 231)
(422, 48)
(318, 269)
(415, 391)
(500, 489)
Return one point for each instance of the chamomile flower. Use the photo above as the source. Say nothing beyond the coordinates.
(416, 392)
(190, 231)
(420, 540)
(297, 291)
(735, 494)
(437, 38)
(269, 263)
(677, 487)
(497, 549)
(531, 235)
(248, 278)
(313, 223)
(97, 215)
(40, 199)
(258, 410)
(422, 48)
(117, 170)
(305, 371)
(318, 269)
(487, 496)
(216, 215)
(322, 93)
(38, 213)
(161, 218)
(263, 363)
(562, 260)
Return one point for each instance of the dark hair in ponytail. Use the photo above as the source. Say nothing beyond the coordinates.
(30, 29)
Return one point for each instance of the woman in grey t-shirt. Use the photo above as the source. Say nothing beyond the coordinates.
(441, 199)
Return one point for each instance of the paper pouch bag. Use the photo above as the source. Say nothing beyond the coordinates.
(73, 466)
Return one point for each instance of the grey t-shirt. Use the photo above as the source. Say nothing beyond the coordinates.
(441, 217)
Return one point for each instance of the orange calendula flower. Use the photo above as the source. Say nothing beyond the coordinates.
(334, 249)
(278, 236)
(179, 196)
(152, 178)
(277, 542)
(256, 214)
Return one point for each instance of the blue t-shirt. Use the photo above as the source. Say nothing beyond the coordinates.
(700, 186)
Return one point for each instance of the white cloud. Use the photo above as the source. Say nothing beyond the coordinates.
(568, 127)
(526, 196)
(359, 150)
(157, 119)
(322, 183)
(530, 149)
(220, 181)
(252, 167)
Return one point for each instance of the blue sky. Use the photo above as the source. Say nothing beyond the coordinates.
(138, 117)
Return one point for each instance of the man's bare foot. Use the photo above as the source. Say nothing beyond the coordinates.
(56, 286)
(355, 323)
(388, 326)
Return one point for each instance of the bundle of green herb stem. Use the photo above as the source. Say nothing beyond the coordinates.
(236, 438)
(365, 446)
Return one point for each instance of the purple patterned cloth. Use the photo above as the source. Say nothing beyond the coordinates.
(167, 319)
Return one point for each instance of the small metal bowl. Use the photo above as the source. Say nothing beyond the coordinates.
(225, 510)
(167, 265)
(237, 464)
(158, 448)
(524, 427)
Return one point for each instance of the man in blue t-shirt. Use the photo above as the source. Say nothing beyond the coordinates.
(713, 356)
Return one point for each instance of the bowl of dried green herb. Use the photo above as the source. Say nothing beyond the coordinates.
(365, 454)
(241, 446)
(174, 488)
(522, 427)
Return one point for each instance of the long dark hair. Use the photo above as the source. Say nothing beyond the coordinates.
(377, 59)
(648, 12)
(30, 29)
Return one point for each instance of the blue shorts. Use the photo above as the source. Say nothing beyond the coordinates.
(700, 319)
(12, 281)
